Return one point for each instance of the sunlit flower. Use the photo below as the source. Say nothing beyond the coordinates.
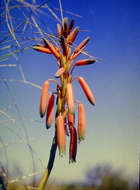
(61, 135)
(86, 90)
(81, 122)
(43, 99)
(50, 111)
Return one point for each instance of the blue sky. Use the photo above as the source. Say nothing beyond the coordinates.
(112, 134)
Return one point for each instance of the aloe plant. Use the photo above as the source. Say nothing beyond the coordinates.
(65, 101)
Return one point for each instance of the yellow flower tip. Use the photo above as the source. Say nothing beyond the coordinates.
(34, 47)
(62, 152)
(81, 138)
(72, 111)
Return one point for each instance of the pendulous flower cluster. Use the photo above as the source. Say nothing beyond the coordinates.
(65, 102)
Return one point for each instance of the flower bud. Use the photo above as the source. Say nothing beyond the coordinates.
(59, 72)
(64, 45)
(81, 122)
(75, 55)
(71, 119)
(50, 111)
(73, 35)
(73, 144)
(84, 62)
(61, 135)
(65, 27)
(81, 45)
(70, 98)
(59, 30)
(52, 48)
(70, 26)
(86, 90)
(43, 99)
(42, 49)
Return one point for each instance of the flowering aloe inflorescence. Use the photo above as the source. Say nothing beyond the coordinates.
(65, 102)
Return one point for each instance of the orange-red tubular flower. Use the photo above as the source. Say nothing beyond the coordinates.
(50, 111)
(84, 62)
(73, 144)
(59, 30)
(61, 135)
(73, 35)
(66, 129)
(42, 49)
(81, 45)
(70, 98)
(52, 48)
(74, 55)
(70, 26)
(43, 99)
(59, 72)
(65, 27)
(71, 119)
(64, 45)
(81, 122)
(86, 90)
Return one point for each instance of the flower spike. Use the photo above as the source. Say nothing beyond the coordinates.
(65, 102)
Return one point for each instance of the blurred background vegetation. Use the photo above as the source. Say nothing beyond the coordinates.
(100, 177)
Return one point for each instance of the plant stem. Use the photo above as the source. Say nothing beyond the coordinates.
(47, 172)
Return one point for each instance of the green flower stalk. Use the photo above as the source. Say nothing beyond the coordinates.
(65, 102)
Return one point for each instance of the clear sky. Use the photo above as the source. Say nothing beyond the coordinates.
(113, 125)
